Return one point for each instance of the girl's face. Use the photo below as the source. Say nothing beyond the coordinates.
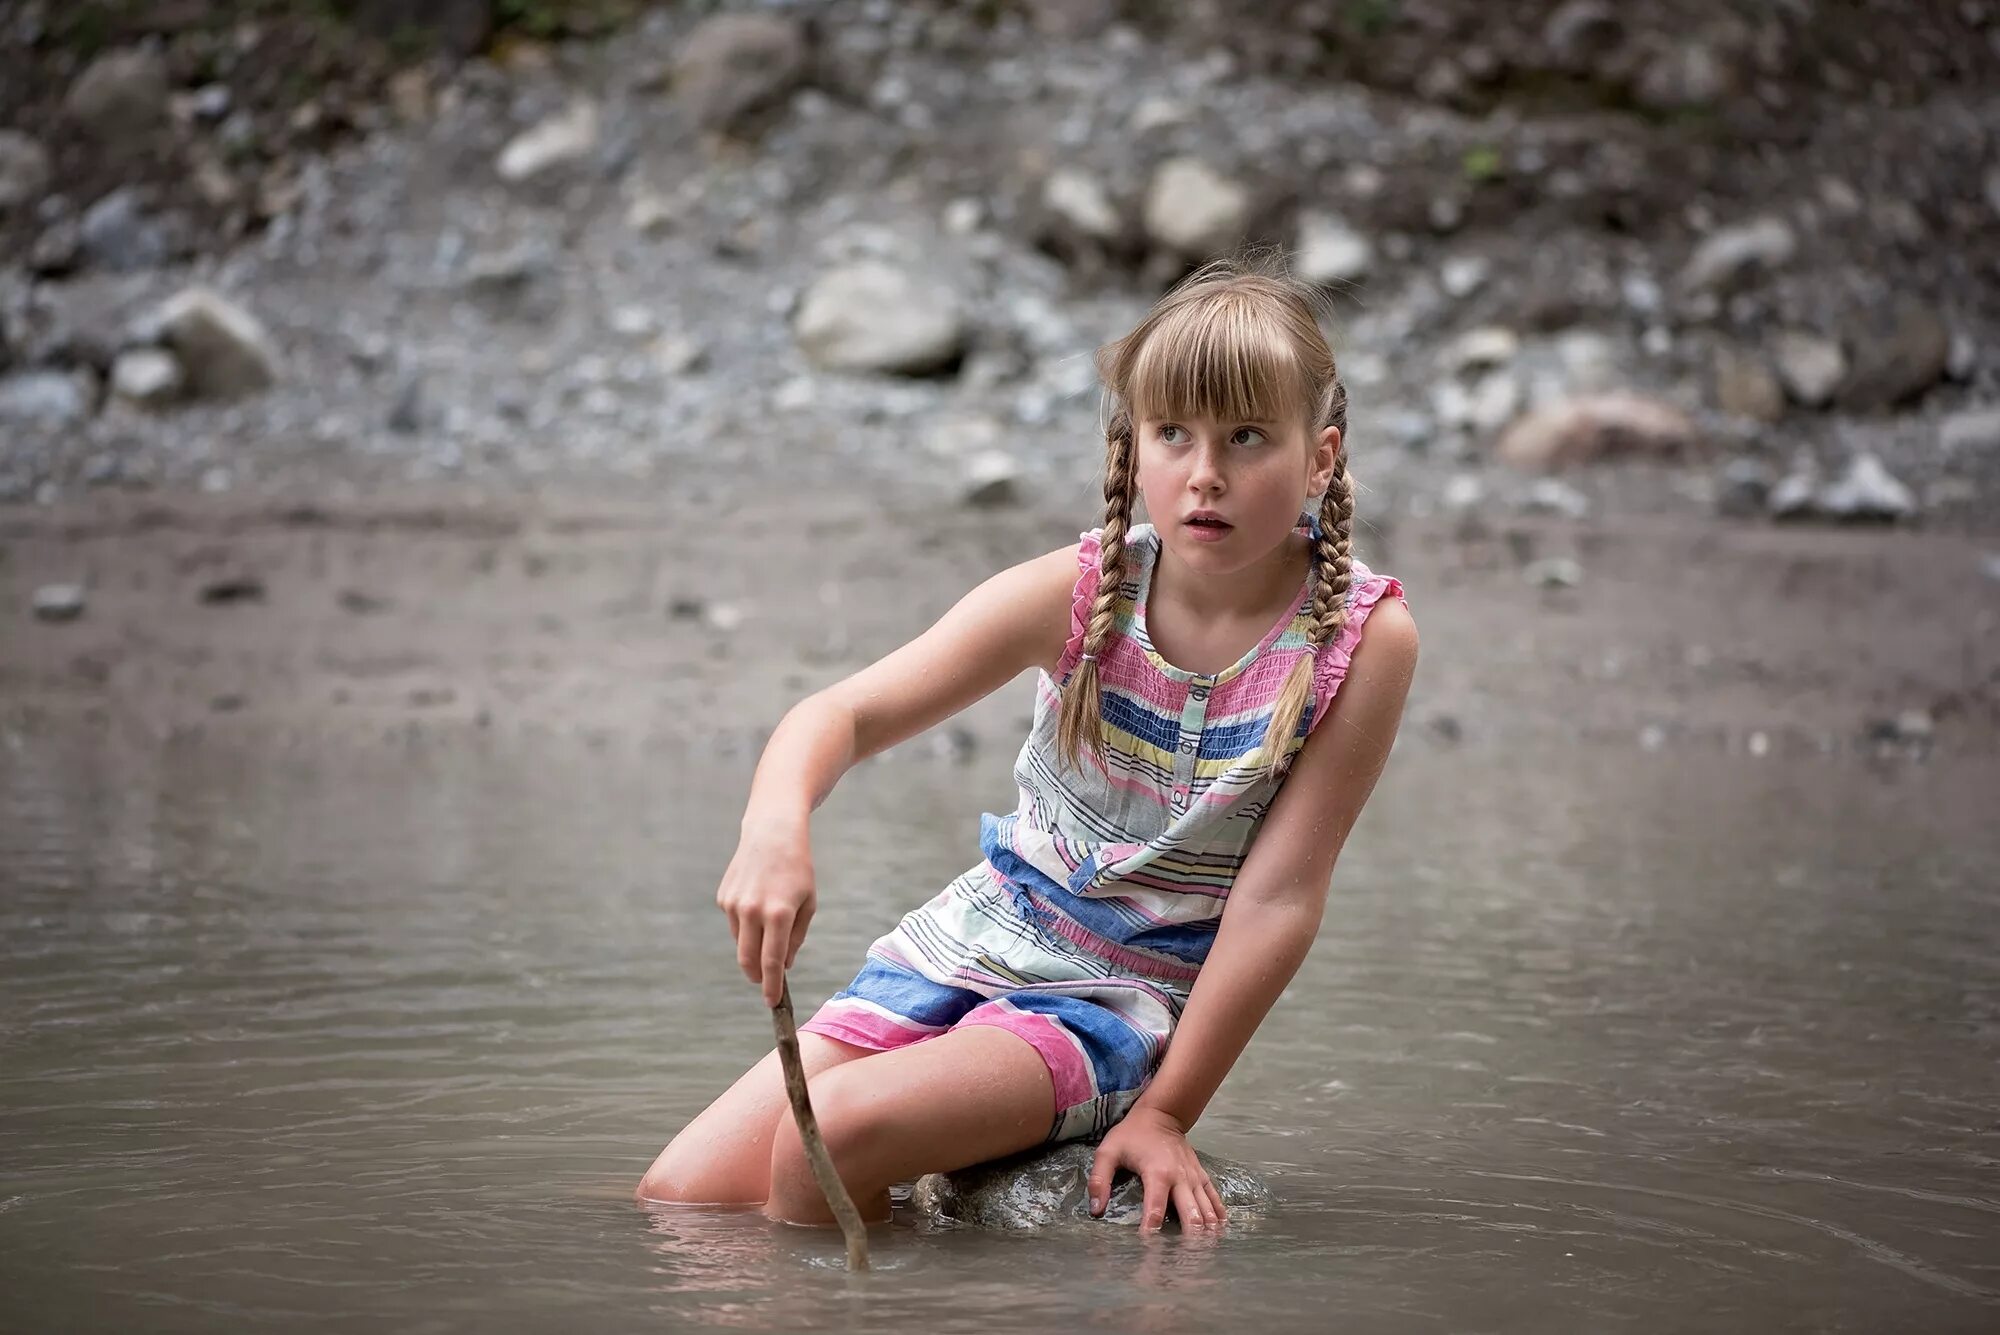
(1254, 477)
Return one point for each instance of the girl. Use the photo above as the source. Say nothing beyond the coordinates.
(1209, 719)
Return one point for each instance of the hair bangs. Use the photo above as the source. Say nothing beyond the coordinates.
(1221, 359)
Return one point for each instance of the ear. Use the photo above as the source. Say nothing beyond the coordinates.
(1325, 456)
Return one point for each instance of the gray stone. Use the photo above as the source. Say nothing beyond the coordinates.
(1330, 251)
(1732, 254)
(1898, 363)
(1078, 202)
(872, 316)
(120, 95)
(733, 66)
(59, 602)
(1194, 210)
(1970, 429)
(568, 137)
(47, 398)
(117, 233)
(1797, 492)
(992, 480)
(224, 348)
(57, 250)
(149, 377)
(1867, 491)
(1049, 1187)
(1810, 367)
(24, 169)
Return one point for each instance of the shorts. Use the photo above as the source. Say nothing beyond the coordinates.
(1101, 1034)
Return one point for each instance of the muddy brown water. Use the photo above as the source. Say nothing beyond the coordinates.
(376, 1034)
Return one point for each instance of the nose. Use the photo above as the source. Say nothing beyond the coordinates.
(1205, 469)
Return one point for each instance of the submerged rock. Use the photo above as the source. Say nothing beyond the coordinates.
(1050, 1186)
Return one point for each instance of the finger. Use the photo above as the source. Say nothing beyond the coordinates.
(1215, 1200)
(1102, 1165)
(799, 925)
(1192, 1216)
(777, 940)
(749, 947)
(1155, 1213)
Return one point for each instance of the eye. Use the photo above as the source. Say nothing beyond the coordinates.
(1254, 436)
(1171, 434)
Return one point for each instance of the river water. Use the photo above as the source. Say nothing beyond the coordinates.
(377, 1034)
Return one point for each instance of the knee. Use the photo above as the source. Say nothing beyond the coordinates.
(850, 1123)
(686, 1174)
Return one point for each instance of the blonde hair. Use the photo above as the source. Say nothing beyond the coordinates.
(1233, 340)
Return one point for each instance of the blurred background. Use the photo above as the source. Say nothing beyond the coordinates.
(438, 441)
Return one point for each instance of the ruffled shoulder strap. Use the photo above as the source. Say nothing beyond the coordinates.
(1089, 554)
(1366, 590)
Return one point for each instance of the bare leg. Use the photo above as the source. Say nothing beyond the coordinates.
(962, 1098)
(723, 1157)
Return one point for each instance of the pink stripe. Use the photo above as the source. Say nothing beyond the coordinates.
(1069, 1069)
(864, 1028)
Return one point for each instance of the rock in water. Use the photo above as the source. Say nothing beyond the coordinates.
(1050, 1186)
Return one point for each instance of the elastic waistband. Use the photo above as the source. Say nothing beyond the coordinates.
(1139, 962)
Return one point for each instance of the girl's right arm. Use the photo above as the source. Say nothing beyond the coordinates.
(1018, 619)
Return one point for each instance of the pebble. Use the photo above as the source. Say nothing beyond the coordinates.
(59, 602)
(1462, 275)
(1811, 368)
(149, 377)
(1867, 491)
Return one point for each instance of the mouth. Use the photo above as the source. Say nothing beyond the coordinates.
(1208, 522)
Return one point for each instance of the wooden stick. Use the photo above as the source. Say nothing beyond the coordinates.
(829, 1181)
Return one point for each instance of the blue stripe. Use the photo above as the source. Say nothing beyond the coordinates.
(1105, 917)
(1120, 1056)
(1123, 712)
(910, 995)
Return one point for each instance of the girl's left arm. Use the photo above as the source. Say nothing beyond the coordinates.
(1268, 925)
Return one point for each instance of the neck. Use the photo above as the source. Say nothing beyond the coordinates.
(1268, 581)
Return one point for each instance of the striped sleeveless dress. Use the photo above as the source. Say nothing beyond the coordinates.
(1086, 921)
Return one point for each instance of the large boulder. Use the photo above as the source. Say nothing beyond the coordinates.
(1047, 1187)
(872, 316)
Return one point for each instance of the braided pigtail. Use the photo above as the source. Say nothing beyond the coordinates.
(1081, 722)
(1333, 575)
